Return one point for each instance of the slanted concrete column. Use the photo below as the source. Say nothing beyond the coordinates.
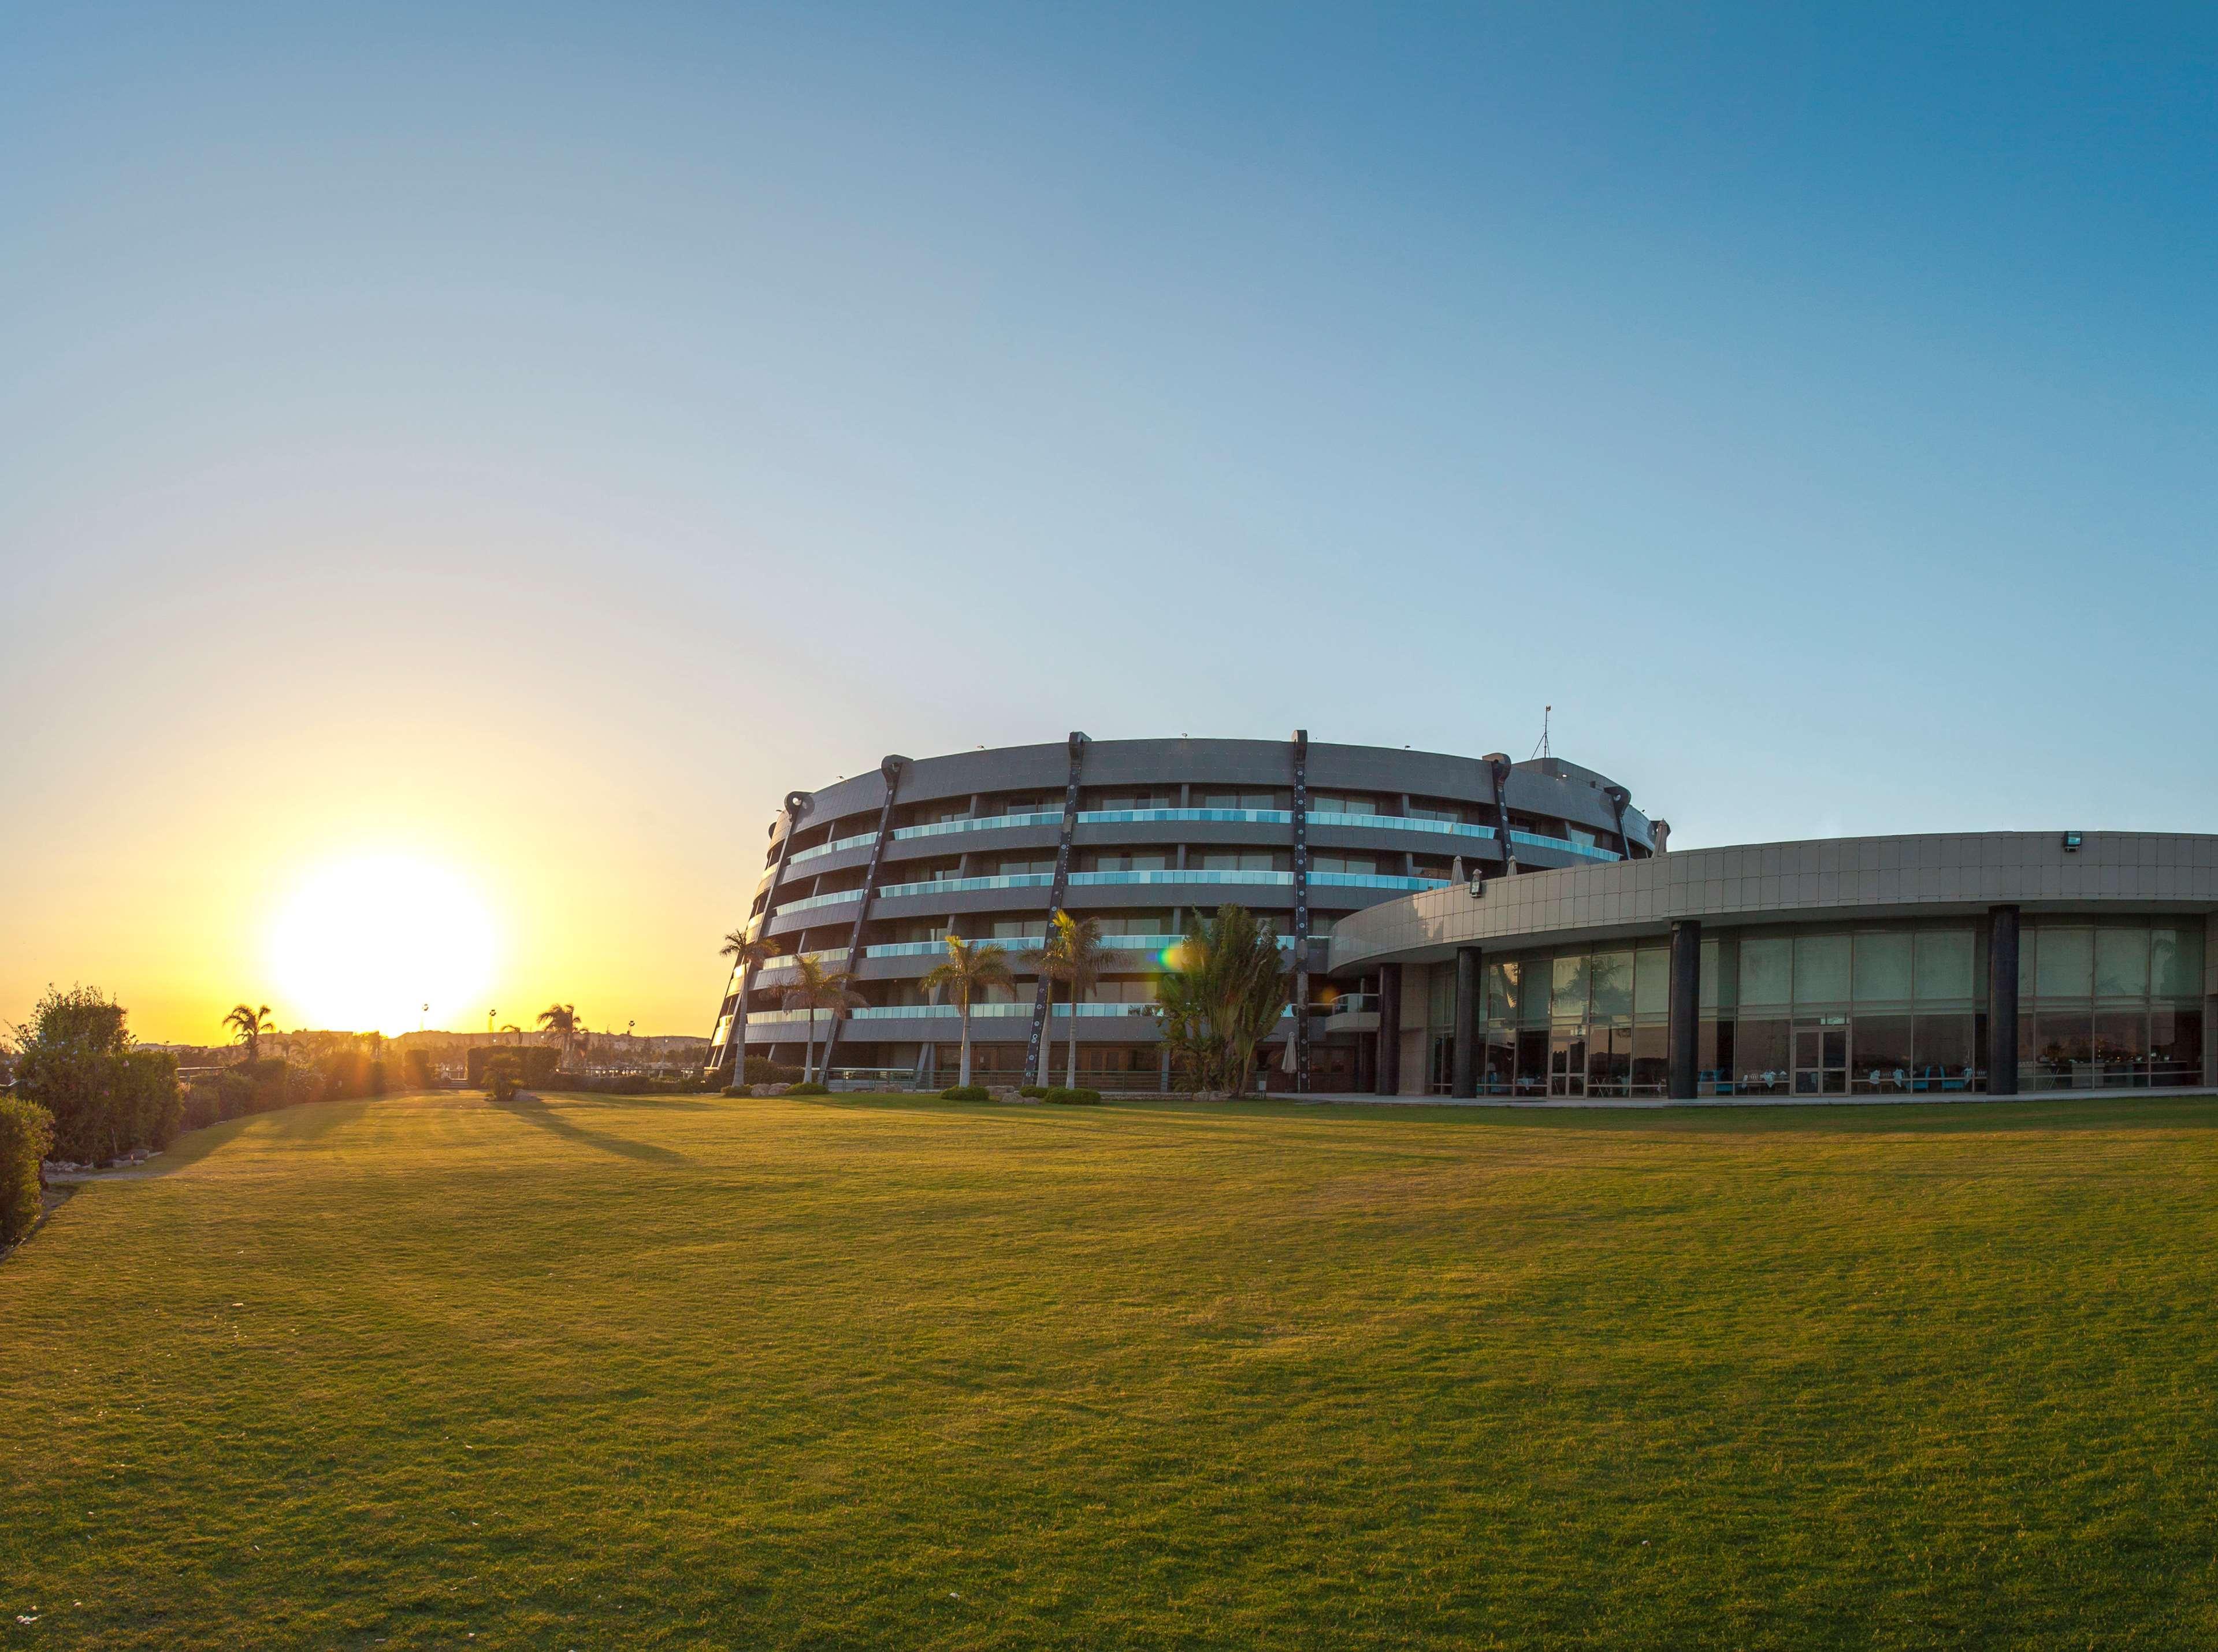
(1685, 1010)
(1389, 1029)
(2001, 1001)
(1465, 1084)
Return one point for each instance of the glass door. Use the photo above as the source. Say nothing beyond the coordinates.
(1532, 1061)
(1821, 1060)
(1567, 1062)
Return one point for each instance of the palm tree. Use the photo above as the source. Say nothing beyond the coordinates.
(1223, 991)
(1082, 959)
(561, 1021)
(968, 971)
(747, 957)
(513, 1028)
(818, 988)
(250, 1024)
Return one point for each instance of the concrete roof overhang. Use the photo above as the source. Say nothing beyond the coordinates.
(1845, 880)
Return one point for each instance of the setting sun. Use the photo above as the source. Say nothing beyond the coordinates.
(368, 942)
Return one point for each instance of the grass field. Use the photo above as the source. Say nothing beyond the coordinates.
(595, 1372)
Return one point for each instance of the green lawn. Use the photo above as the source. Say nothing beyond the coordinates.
(602, 1372)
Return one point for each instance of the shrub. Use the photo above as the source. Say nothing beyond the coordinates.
(811, 1088)
(105, 1098)
(965, 1093)
(27, 1131)
(761, 1069)
(535, 1063)
(418, 1070)
(1033, 1090)
(736, 1090)
(502, 1076)
(349, 1072)
(1064, 1098)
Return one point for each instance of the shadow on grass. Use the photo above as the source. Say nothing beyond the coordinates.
(308, 1120)
(2125, 1110)
(533, 1111)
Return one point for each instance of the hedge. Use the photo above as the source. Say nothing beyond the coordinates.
(102, 1103)
(1065, 1098)
(27, 1131)
(535, 1063)
(761, 1069)
(965, 1093)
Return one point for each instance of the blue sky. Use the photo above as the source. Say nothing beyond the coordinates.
(651, 409)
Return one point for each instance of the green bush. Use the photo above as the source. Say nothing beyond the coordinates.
(27, 1131)
(344, 1074)
(1033, 1090)
(807, 1090)
(1062, 1097)
(502, 1076)
(535, 1063)
(761, 1069)
(639, 1083)
(735, 1090)
(104, 1102)
(965, 1093)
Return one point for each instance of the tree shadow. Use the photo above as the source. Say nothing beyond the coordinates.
(308, 1120)
(533, 1111)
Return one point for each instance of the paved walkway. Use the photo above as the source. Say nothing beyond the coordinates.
(1572, 1103)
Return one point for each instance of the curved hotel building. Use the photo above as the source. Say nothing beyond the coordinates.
(872, 873)
(1475, 928)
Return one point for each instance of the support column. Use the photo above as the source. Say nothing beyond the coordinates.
(1685, 1001)
(1301, 826)
(2001, 1001)
(1058, 893)
(891, 768)
(1465, 1080)
(1497, 769)
(1389, 1029)
(733, 1052)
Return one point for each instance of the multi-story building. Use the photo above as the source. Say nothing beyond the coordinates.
(872, 873)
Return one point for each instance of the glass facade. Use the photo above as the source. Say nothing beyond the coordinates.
(1880, 1010)
(2109, 1004)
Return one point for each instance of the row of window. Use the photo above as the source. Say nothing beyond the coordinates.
(2157, 1046)
(1386, 809)
(1935, 966)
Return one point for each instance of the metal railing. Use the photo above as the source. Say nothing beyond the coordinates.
(1232, 817)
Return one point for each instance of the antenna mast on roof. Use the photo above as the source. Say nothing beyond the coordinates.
(1541, 750)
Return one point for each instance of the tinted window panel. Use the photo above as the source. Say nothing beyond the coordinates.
(2176, 961)
(1883, 969)
(2067, 964)
(2122, 962)
(1767, 964)
(1821, 969)
(1943, 965)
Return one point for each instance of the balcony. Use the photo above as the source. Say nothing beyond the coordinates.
(1099, 879)
(1236, 817)
(1020, 1010)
